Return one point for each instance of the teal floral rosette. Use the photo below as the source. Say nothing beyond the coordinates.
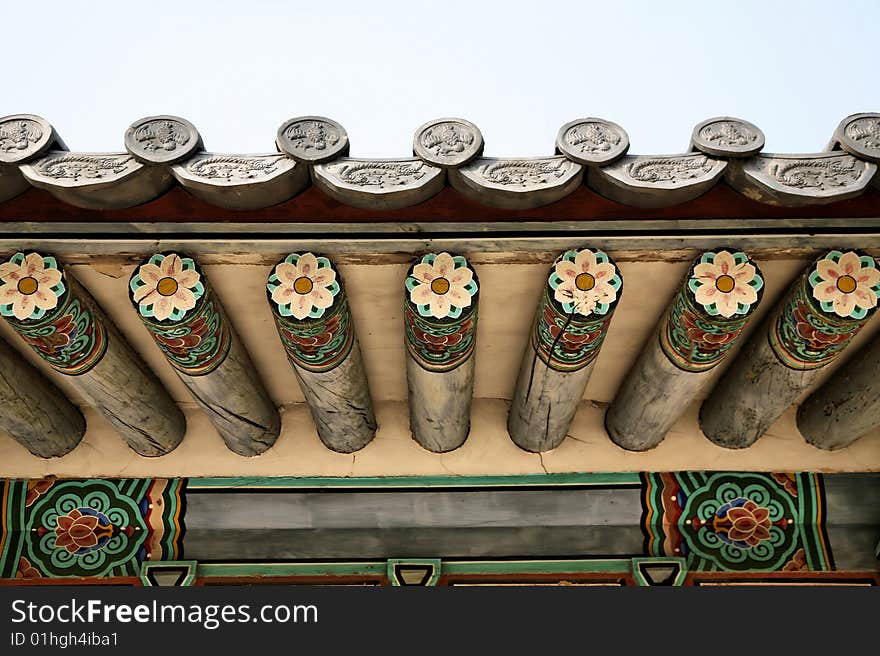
(825, 309)
(585, 282)
(846, 284)
(182, 313)
(54, 315)
(581, 294)
(311, 311)
(725, 283)
(166, 287)
(30, 286)
(303, 286)
(721, 291)
(440, 311)
(737, 521)
(84, 529)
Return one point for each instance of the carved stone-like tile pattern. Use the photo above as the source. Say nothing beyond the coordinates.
(859, 135)
(379, 183)
(23, 137)
(727, 137)
(312, 139)
(592, 141)
(518, 183)
(448, 142)
(657, 181)
(162, 139)
(801, 179)
(97, 180)
(242, 182)
(72, 169)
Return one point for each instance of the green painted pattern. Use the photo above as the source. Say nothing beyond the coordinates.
(734, 521)
(71, 337)
(806, 334)
(696, 338)
(88, 528)
(197, 344)
(613, 565)
(292, 569)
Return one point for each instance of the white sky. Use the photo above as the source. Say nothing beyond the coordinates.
(519, 70)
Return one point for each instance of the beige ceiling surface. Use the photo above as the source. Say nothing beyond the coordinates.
(510, 287)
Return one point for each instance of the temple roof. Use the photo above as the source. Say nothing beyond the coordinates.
(103, 219)
(163, 152)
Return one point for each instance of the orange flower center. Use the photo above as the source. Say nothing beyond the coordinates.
(167, 287)
(27, 286)
(846, 284)
(440, 285)
(303, 285)
(725, 284)
(585, 282)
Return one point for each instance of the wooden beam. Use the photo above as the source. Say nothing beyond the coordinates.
(573, 316)
(64, 325)
(34, 411)
(719, 294)
(314, 322)
(824, 309)
(175, 301)
(313, 206)
(847, 405)
(440, 317)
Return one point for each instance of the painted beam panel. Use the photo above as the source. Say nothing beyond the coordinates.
(176, 303)
(824, 309)
(315, 324)
(575, 310)
(63, 324)
(720, 292)
(440, 316)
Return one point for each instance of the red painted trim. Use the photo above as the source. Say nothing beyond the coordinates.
(313, 206)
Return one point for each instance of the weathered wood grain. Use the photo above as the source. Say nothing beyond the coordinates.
(237, 403)
(651, 398)
(34, 411)
(440, 319)
(317, 331)
(440, 405)
(752, 394)
(847, 405)
(67, 328)
(132, 398)
(340, 403)
(719, 294)
(573, 316)
(177, 304)
(784, 356)
(544, 403)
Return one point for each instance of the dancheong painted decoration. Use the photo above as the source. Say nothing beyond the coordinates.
(711, 526)
(181, 311)
(440, 311)
(737, 521)
(576, 307)
(171, 310)
(721, 291)
(828, 306)
(311, 311)
(51, 312)
(91, 528)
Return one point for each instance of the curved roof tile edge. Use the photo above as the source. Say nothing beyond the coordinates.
(162, 151)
